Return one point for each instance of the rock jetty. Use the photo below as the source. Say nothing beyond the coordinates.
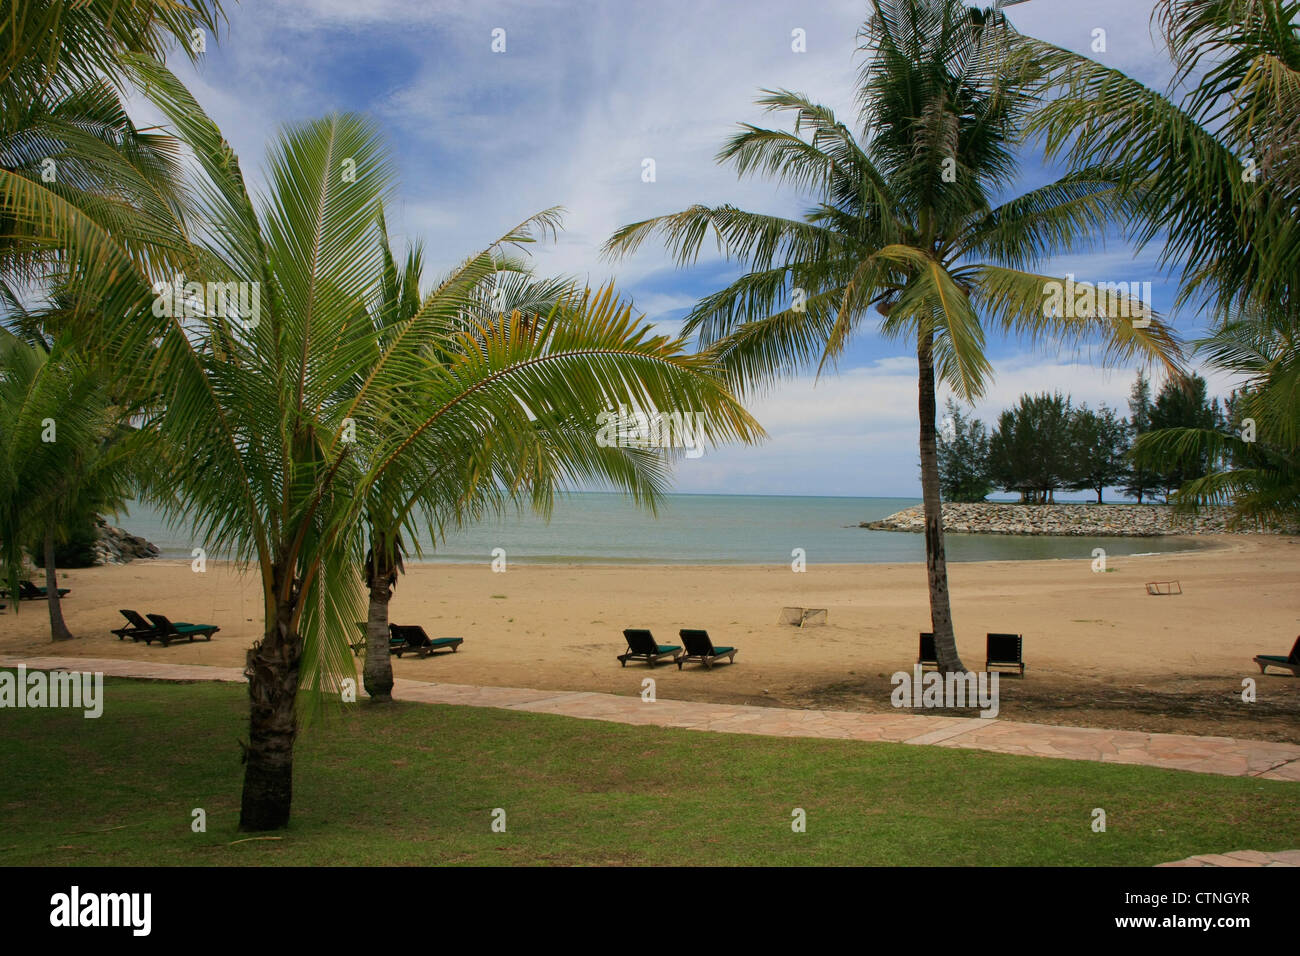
(1130, 521)
(115, 546)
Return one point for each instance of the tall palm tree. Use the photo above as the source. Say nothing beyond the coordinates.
(276, 416)
(905, 221)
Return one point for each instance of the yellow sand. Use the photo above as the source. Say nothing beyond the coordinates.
(559, 626)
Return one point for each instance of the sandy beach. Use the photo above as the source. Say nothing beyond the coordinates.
(1100, 650)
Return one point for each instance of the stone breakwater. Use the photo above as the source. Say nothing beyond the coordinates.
(115, 546)
(1132, 521)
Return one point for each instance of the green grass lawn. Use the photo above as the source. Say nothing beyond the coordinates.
(417, 784)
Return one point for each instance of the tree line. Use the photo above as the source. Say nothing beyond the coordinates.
(1045, 443)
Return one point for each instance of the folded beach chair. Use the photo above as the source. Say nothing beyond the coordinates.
(1291, 662)
(137, 627)
(700, 648)
(1005, 650)
(641, 646)
(411, 637)
(168, 632)
(926, 656)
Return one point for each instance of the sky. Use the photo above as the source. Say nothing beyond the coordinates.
(582, 94)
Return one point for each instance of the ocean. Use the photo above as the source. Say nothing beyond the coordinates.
(603, 528)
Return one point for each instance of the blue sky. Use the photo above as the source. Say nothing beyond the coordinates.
(582, 94)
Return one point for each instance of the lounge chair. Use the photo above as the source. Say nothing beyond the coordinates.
(927, 656)
(1291, 662)
(1005, 650)
(411, 637)
(700, 648)
(641, 646)
(137, 627)
(168, 632)
(30, 592)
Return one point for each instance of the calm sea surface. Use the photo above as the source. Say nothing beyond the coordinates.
(595, 528)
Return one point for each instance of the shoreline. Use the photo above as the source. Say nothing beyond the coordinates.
(604, 564)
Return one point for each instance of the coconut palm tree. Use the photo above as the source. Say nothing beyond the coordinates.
(1212, 165)
(279, 406)
(1212, 169)
(63, 456)
(65, 133)
(905, 220)
(1256, 460)
(498, 470)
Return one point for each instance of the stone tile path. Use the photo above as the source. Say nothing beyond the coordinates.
(1218, 755)
(1241, 858)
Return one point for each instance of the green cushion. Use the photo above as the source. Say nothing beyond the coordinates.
(447, 640)
(665, 648)
(1274, 657)
(723, 650)
(187, 628)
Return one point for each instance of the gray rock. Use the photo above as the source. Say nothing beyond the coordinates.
(1130, 521)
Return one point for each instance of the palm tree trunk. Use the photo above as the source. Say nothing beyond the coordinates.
(936, 564)
(58, 629)
(272, 671)
(377, 675)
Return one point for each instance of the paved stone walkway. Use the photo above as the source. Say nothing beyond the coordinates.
(1241, 858)
(1218, 755)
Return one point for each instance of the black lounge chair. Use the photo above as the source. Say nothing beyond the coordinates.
(641, 646)
(1291, 662)
(30, 592)
(168, 632)
(1005, 650)
(927, 656)
(137, 627)
(411, 637)
(700, 648)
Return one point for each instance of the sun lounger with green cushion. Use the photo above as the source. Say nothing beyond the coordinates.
(700, 648)
(168, 631)
(1291, 662)
(137, 627)
(411, 637)
(641, 646)
(30, 592)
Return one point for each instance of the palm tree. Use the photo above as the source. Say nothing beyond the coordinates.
(497, 469)
(63, 456)
(1256, 460)
(66, 140)
(1212, 166)
(905, 221)
(279, 406)
(68, 148)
